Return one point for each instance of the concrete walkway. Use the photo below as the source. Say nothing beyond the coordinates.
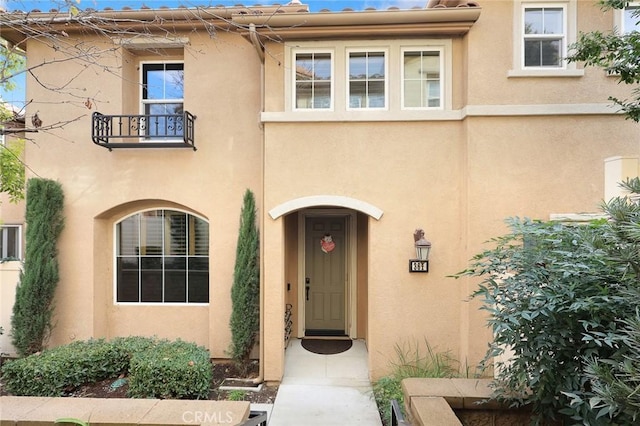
(325, 390)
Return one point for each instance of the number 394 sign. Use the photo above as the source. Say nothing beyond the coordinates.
(418, 266)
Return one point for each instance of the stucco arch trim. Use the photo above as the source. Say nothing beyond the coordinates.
(131, 207)
(325, 200)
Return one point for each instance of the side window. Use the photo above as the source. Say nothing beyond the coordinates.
(367, 75)
(162, 256)
(313, 80)
(544, 36)
(421, 79)
(11, 242)
(163, 100)
(630, 18)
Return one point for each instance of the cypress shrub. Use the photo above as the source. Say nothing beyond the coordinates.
(32, 312)
(245, 291)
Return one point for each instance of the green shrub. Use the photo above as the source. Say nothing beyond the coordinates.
(171, 370)
(55, 371)
(236, 395)
(33, 307)
(410, 361)
(558, 296)
(385, 390)
(245, 291)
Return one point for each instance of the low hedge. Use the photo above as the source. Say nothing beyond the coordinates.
(156, 368)
(171, 370)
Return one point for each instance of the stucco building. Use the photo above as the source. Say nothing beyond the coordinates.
(357, 125)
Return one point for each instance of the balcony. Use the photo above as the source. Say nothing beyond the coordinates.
(143, 131)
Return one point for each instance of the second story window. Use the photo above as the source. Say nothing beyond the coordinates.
(313, 82)
(630, 18)
(421, 87)
(162, 100)
(367, 80)
(544, 38)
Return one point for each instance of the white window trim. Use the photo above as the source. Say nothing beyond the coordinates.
(291, 97)
(383, 50)
(568, 69)
(115, 261)
(394, 111)
(5, 237)
(443, 79)
(143, 102)
(618, 18)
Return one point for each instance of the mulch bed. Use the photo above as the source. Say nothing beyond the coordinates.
(113, 388)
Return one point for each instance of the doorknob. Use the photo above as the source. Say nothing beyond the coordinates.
(308, 292)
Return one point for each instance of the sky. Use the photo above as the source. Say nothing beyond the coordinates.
(17, 96)
(314, 5)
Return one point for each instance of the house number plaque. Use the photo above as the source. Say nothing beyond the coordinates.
(418, 266)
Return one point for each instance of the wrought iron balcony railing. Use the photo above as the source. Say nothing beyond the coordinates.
(144, 131)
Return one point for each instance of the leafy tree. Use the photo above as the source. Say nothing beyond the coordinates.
(563, 299)
(245, 291)
(618, 54)
(31, 321)
(12, 178)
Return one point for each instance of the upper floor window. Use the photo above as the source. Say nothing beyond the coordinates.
(163, 100)
(162, 256)
(630, 17)
(11, 242)
(367, 79)
(421, 71)
(542, 32)
(544, 37)
(357, 80)
(313, 80)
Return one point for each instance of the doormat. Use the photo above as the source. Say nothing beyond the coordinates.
(326, 347)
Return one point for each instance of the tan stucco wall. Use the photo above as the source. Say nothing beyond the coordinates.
(457, 176)
(457, 180)
(343, 159)
(210, 182)
(9, 276)
(491, 57)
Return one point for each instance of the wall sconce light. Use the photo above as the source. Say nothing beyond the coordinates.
(423, 247)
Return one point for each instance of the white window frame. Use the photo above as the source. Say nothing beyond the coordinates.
(5, 238)
(442, 78)
(619, 15)
(348, 52)
(294, 56)
(340, 113)
(570, 17)
(144, 102)
(555, 36)
(115, 261)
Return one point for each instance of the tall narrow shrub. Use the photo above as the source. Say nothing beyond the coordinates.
(245, 292)
(32, 312)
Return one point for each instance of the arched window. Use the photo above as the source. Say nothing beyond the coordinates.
(162, 256)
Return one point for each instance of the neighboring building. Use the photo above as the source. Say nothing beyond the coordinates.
(11, 232)
(363, 125)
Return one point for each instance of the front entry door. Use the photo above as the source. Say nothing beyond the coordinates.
(325, 275)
